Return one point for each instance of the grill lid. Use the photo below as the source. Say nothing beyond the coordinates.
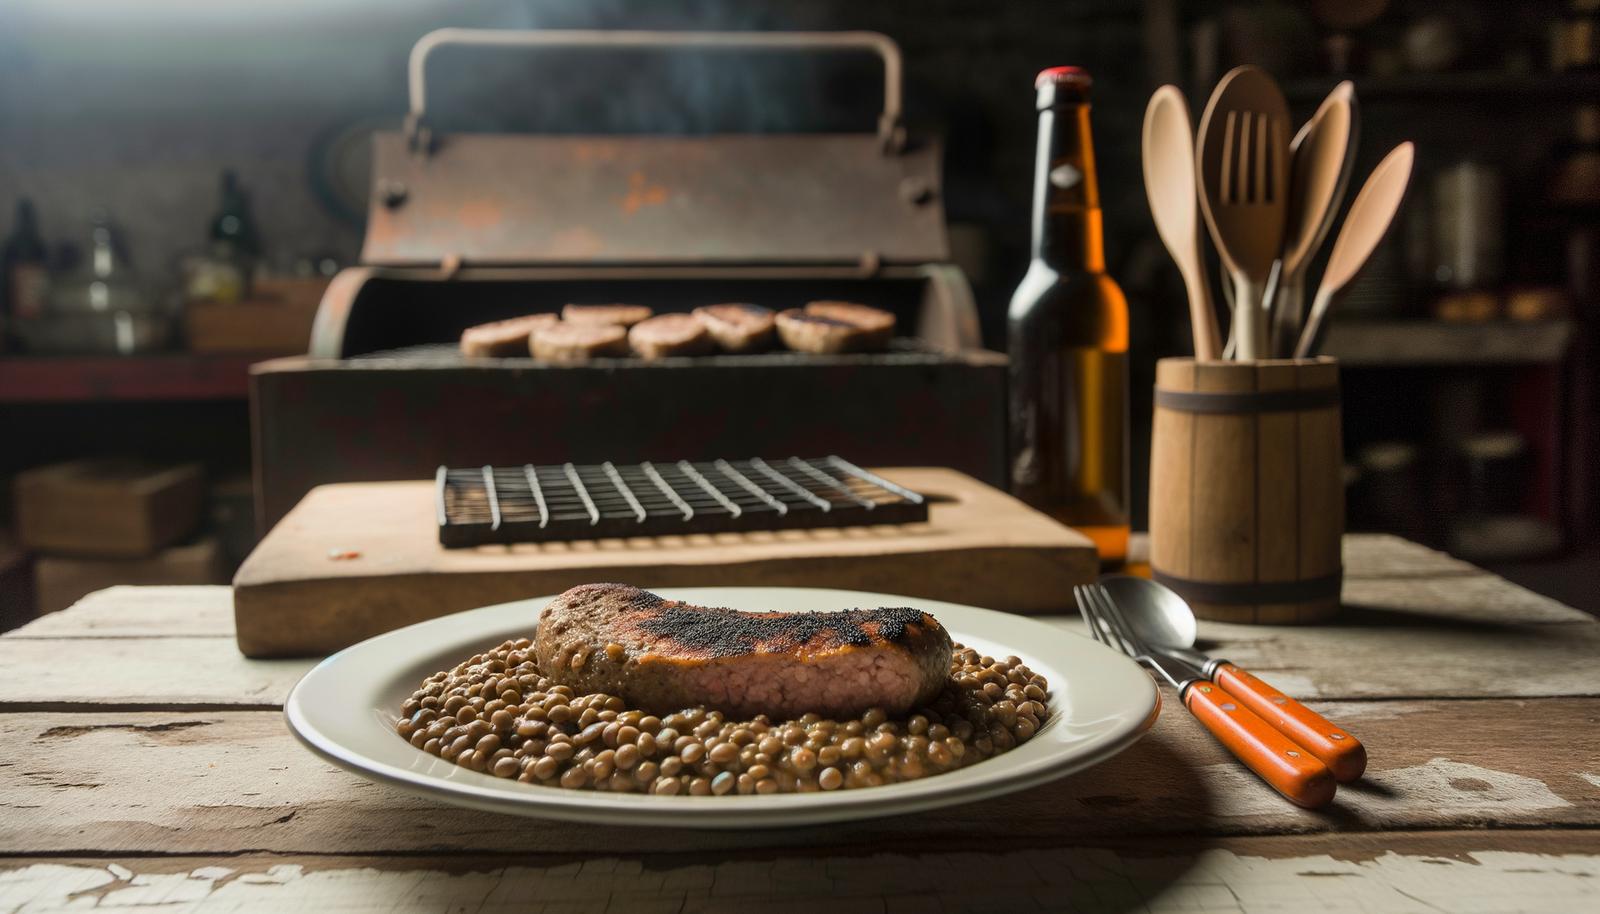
(532, 199)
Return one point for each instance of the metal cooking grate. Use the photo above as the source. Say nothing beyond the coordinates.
(567, 502)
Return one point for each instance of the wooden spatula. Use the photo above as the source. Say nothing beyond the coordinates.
(1370, 217)
(1321, 157)
(1169, 176)
(1242, 164)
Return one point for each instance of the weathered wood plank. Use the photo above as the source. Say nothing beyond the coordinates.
(193, 611)
(237, 781)
(1451, 871)
(99, 674)
(1444, 659)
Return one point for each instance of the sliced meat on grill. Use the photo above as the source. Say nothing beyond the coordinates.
(663, 656)
(622, 315)
(804, 332)
(738, 327)
(503, 338)
(567, 342)
(875, 323)
(670, 334)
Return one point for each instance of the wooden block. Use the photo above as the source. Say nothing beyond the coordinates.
(60, 581)
(354, 560)
(275, 320)
(109, 507)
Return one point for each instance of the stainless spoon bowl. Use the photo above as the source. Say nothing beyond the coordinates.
(1156, 613)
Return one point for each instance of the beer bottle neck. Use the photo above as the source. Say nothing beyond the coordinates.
(1067, 230)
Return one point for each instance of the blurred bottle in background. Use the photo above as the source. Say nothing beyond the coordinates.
(1068, 337)
(26, 274)
(223, 272)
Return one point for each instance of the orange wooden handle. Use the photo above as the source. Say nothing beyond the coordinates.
(1342, 753)
(1291, 770)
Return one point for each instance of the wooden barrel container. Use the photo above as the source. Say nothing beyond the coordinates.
(1246, 489)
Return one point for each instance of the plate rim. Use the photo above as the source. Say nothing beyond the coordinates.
(776, 811)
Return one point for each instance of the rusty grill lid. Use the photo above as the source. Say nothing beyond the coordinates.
(534, 199)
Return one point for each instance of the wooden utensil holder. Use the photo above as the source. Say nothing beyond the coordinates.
(1246, 488)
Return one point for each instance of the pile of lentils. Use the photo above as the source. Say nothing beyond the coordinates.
(495, 713)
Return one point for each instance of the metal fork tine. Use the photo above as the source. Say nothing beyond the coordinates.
(1119, 621)
(1085, 610)
(1105, 625)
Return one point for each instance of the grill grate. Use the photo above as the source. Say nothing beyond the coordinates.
(546, 503)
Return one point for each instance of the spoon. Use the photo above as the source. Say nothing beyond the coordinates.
(1241, 169)
(1169, 177)
(1370, 217)
(1162, 618)
(1321, 158)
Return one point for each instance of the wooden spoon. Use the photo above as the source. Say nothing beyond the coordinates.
(1169, 177)
(1369, 220)
(1242, 164)
(1321, 158)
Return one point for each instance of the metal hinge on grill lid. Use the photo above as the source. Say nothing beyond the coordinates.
(536, 199)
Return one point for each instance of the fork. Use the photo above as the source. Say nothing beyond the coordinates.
(1285, 765)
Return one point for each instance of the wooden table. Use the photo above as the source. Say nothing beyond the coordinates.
(145, 762)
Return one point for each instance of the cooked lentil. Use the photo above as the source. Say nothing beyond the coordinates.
(495, 713)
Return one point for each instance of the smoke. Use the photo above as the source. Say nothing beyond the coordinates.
(679, 92)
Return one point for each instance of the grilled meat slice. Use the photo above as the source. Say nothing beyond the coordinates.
(663, 656)
(876, 325)
(738, 327)
(623, 315)
(504, 338)
(567, 342)
(670, 334)
(804, 332)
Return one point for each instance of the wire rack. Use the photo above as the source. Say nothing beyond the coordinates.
(594, 501)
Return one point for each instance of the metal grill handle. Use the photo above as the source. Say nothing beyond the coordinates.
(885, 47)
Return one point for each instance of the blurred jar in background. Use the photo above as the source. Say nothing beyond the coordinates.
(104, 306)
(1468, 227)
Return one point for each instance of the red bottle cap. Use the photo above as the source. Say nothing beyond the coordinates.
(1076, 76)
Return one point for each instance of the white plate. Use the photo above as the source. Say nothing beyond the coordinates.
(345, 710)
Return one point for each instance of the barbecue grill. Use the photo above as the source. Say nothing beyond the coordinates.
(469, 228)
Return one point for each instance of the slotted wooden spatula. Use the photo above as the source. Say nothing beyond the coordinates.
(1242, 165)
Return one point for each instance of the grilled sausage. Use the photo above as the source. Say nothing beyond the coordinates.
(738, 327)
(670, 334)
(566, 342)
(877, 325)
(503, 338)
(623, 315)
(663, 656)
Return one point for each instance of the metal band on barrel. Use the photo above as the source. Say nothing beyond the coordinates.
(1262, 594)
(1245, 402)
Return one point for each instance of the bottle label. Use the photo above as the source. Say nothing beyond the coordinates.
(29, 283)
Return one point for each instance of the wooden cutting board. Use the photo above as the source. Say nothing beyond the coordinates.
(355, 560)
